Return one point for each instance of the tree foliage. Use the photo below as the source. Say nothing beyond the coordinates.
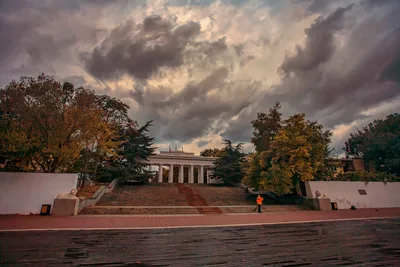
(362, 176)
(135, 147)
(228, 166)
(52, 127)
(46, 125)
(295, 150)
(266, 126)
(378, 142)
(211, 152)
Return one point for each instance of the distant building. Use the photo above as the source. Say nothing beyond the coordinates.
(340, 166)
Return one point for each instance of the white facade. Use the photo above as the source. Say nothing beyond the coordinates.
(346, 194)
(182, 160)
(25, 193)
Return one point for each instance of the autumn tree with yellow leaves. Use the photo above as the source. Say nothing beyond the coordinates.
(296, 152)
(47, 126)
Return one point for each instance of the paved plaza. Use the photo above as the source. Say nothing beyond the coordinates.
(371, 242)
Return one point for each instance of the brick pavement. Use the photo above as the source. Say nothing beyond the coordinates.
(107, 222)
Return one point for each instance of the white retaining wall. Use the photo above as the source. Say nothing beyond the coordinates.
(25, 193)
(379, 194)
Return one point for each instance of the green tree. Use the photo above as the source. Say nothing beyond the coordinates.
(211, 152)
(129, 163)
(378, 142)
(266, 126)
(228, 166)
(298, 151)
(252, 171)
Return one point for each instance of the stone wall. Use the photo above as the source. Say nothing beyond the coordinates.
(91, 201)
(25, 193)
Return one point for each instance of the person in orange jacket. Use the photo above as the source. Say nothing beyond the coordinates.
(259, 201)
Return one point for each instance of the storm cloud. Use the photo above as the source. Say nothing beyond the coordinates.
(202, 70)
(141, 50)
(196, 109)
(319, 45)
(339, 73)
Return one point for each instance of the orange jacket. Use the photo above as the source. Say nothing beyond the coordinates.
(259, 200)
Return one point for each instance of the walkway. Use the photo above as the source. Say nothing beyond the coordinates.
(129, 222)
(338, 243)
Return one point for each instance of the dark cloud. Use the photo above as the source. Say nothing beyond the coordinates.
(319, 43)
(198, 109)
(11, 6)
(76, 80)
(239, 49)
(39, 35)
(109, 2)
(349, 62)
(379, 3)
(239, 130)
(141, 50)
(315, 6)
(392, 73)
(336, 84)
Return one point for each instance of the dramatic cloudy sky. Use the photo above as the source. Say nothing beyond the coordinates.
(202, 69)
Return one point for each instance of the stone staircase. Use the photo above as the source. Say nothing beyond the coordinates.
(195, 199)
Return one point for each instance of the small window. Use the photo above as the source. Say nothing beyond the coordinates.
(362, 192)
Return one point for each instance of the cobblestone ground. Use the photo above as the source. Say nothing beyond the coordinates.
(339, 243)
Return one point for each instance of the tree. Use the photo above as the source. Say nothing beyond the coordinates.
(115, 114)
(378, 142)
(228, 166)
(135, 148)
(252, 170)
(297, 152)
(210, 152)
(46, 125)
(266, 126)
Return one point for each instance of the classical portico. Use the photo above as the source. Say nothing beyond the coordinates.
(183, 160)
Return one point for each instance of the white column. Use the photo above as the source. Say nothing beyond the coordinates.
(150, 177)
(180, 180)
(171, 174)
(198, 175)
(208, 176)
(201, 175)
(191, 174)
(160, 173)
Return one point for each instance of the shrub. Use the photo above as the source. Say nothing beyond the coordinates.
(366, 177)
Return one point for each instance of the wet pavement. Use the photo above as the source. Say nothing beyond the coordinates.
(336, 243)
(94, 222)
